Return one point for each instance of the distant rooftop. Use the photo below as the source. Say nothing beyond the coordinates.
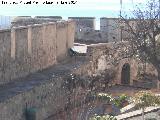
(81, 18)
(59, 17)
(109, 18)
(24, 16)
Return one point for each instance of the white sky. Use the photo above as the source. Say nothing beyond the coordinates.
(85, 8)
(81, 5)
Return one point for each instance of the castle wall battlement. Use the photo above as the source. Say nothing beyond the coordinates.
(27, 49)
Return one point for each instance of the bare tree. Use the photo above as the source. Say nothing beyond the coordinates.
(142, 32)
(144, 99)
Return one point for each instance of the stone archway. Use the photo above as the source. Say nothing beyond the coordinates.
(125, 74)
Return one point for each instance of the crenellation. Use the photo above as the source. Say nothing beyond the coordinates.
(49, 44)
(71, 33)
(13, 44)
(36, 25)
(24, 21)
(20, 27)
(61, 24)
(4, 30)
(27, 49)
(21, 42)
(61, 35)
(29, 40)
(49, 23)
(5, 39)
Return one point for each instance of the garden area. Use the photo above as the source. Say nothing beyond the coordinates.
(117, 105)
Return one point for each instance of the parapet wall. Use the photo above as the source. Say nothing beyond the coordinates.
(24, 21)
(27, 49)
(84, 22)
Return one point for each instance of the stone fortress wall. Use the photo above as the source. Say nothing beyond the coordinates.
(26, 49)
(84, 25)
(85, 29)
(84, 22)
(111, 30)
(28, 20)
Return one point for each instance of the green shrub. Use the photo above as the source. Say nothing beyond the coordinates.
(120, 100)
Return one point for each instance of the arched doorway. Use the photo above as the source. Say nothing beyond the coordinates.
(125, 74)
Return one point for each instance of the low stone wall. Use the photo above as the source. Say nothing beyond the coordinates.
(46, 99)
(110, 56)
(44, 96)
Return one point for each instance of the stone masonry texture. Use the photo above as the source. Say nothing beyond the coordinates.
(27, 49)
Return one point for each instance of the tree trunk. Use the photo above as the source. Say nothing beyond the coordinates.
(158, 80)
(142, 113)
